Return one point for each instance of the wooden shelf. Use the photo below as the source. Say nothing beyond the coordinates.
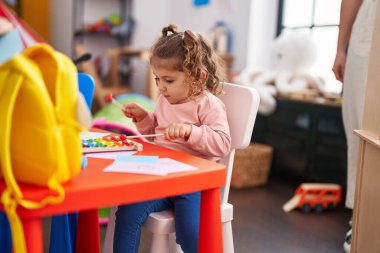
(126, 23)
(80, 33)
(369, 137)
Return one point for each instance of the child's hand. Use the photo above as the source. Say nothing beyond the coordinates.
(134, 111)
(176, 130)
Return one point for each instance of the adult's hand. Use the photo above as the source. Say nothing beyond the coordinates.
(339, 65)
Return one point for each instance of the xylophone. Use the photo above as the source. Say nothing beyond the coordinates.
(110, 143)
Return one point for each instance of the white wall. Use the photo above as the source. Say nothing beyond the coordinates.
(262, 31)
(61, 25)
(152, 16)
(252, 22)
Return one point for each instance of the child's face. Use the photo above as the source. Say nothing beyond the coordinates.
(171, 84)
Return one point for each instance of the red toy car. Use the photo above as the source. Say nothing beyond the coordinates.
(317, 196)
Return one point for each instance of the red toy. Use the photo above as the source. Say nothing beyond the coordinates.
(317, 196)
(110, 99)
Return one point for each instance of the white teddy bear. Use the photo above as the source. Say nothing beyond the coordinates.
(293, 54)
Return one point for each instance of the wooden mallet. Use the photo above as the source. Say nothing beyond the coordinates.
(110, 99)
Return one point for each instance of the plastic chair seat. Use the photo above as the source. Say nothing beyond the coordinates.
(161, 222)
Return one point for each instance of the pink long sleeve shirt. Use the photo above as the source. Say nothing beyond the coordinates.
(210, 135)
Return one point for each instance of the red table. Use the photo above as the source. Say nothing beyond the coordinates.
(93, 189)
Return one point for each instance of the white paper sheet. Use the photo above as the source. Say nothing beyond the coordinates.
(163, 167)
(173, 166)
(110, 155)
(138, 168)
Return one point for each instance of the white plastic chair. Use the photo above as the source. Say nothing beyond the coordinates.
(242, 103)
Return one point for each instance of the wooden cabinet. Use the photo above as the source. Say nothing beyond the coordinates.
(308, 140)
(366, 220)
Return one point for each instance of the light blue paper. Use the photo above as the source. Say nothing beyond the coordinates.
(10, 44)
(137, 159)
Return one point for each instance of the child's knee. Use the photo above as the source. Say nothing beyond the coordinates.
(127, 214)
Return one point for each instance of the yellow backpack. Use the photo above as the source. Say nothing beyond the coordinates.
(39, 132)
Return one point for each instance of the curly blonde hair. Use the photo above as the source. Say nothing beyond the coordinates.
(191, 53)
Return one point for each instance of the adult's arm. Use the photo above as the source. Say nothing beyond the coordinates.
(348, 12)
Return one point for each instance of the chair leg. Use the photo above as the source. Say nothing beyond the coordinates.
(173, 246)
(160, 243)
(108, 240)
(228, 242)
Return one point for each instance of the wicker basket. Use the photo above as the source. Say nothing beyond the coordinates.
(251, 166)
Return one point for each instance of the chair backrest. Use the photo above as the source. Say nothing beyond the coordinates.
(242, 103)
(86, 87)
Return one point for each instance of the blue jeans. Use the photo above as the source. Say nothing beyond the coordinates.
(129, 219)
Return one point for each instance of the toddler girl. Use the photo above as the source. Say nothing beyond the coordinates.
(192, 119)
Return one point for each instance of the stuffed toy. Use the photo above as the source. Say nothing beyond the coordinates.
(292, 56)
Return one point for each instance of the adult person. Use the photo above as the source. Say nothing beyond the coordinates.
(351, 68)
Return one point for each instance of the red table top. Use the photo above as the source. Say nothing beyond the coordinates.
(93, 188)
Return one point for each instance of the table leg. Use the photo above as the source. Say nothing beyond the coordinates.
(33, 235)
(210, 231)
(88, 234)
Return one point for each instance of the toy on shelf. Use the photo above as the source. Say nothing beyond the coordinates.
(110, 143)
(293, 55)
(317, 196)
(104, 25)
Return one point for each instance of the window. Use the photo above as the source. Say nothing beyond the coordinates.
(319, 18)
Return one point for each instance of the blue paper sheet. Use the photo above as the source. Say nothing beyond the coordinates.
(137, 159)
